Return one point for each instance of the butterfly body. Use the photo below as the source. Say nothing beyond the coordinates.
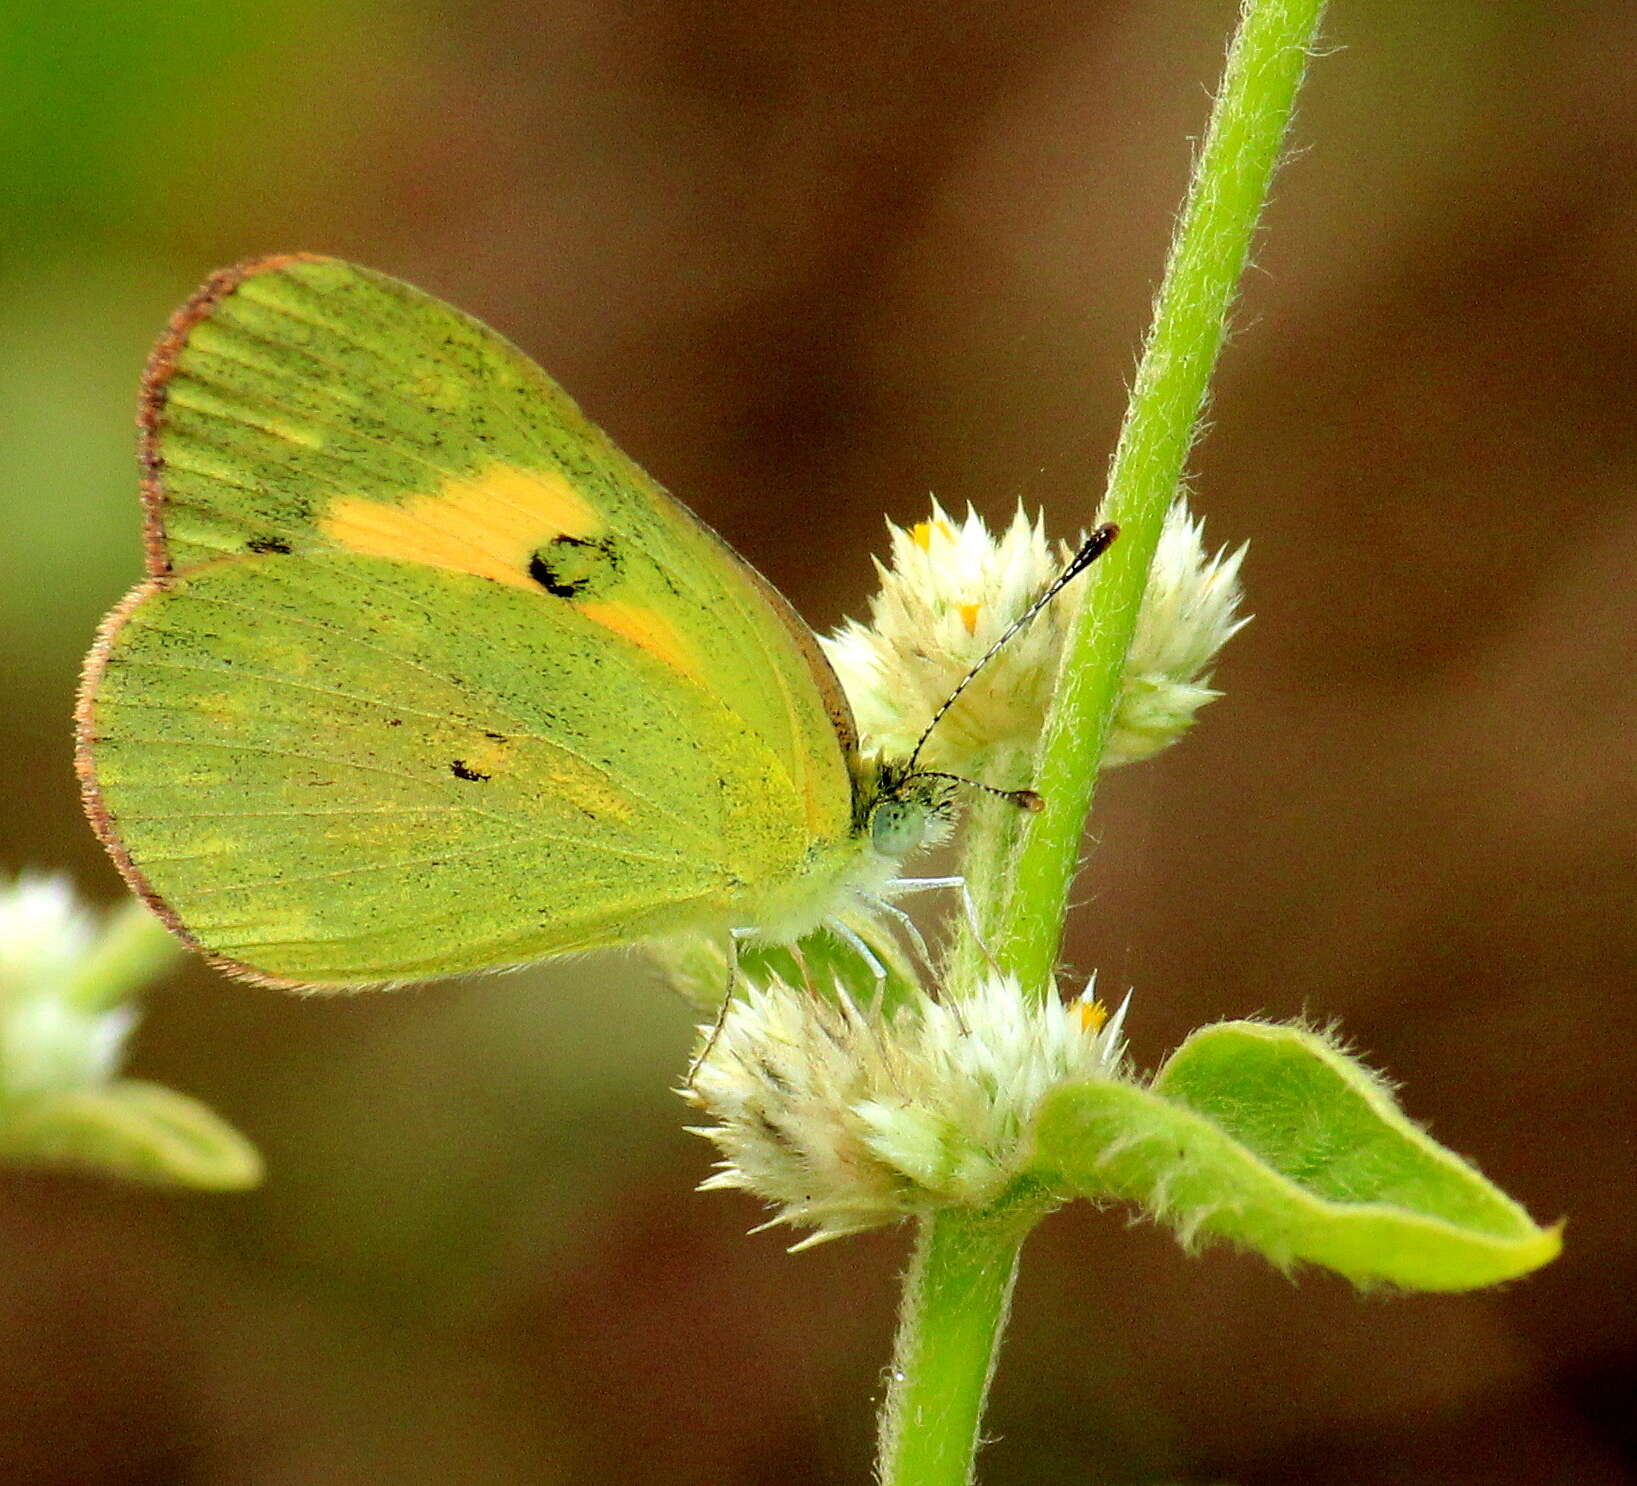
(428, 677)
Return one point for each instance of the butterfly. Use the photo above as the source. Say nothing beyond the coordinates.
(427, 677)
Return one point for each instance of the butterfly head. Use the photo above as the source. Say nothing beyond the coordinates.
(901, 805)
(905, 808)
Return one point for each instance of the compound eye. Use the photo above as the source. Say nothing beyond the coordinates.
(897, 827)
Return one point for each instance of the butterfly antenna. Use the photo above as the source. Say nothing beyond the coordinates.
(1025, 799)
(1091, 549)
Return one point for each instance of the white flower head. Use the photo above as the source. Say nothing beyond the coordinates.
(1190, 610)
(951, 590)
(948, 593)
(845, 1119)
(48, 1039)
(44, 933)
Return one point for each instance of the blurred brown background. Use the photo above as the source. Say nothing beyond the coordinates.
(808, 263)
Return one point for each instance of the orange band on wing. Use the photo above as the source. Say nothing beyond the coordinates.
(647, 630)
(489, 524)
(492, 525)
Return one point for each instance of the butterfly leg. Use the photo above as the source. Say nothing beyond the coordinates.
(913, 933)
(875, 1026)
(903, 886)
(872, 961)
(734, 936)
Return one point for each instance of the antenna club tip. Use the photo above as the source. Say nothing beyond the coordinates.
(1027, 799)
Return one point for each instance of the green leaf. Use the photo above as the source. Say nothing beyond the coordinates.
(1272, 1137)
(831, 965)
(132, 1129)
(697, 965)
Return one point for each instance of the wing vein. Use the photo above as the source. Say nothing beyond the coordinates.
(515, 725)
(398, 864)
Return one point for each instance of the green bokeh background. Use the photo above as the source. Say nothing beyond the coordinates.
(809, 263)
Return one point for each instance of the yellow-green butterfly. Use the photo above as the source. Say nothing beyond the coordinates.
(428, 677)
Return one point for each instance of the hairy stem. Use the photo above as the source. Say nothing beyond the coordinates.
(960, 1281)
(956, 1296)
(1213, 242)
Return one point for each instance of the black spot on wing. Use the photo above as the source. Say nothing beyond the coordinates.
(268, 544)
(576, 567)
(461, 770)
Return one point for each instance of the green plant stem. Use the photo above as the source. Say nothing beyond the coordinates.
(956, 1296)
(960, 1281)
(1213, 242)
(989, 840)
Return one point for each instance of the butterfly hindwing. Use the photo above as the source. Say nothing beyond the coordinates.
(325, 779)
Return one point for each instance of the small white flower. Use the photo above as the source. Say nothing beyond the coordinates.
(44, 932)
(949, 593)
(845, 1120)
(952, 589)
(47, 1041)
(67, 976)
(1190, 610)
